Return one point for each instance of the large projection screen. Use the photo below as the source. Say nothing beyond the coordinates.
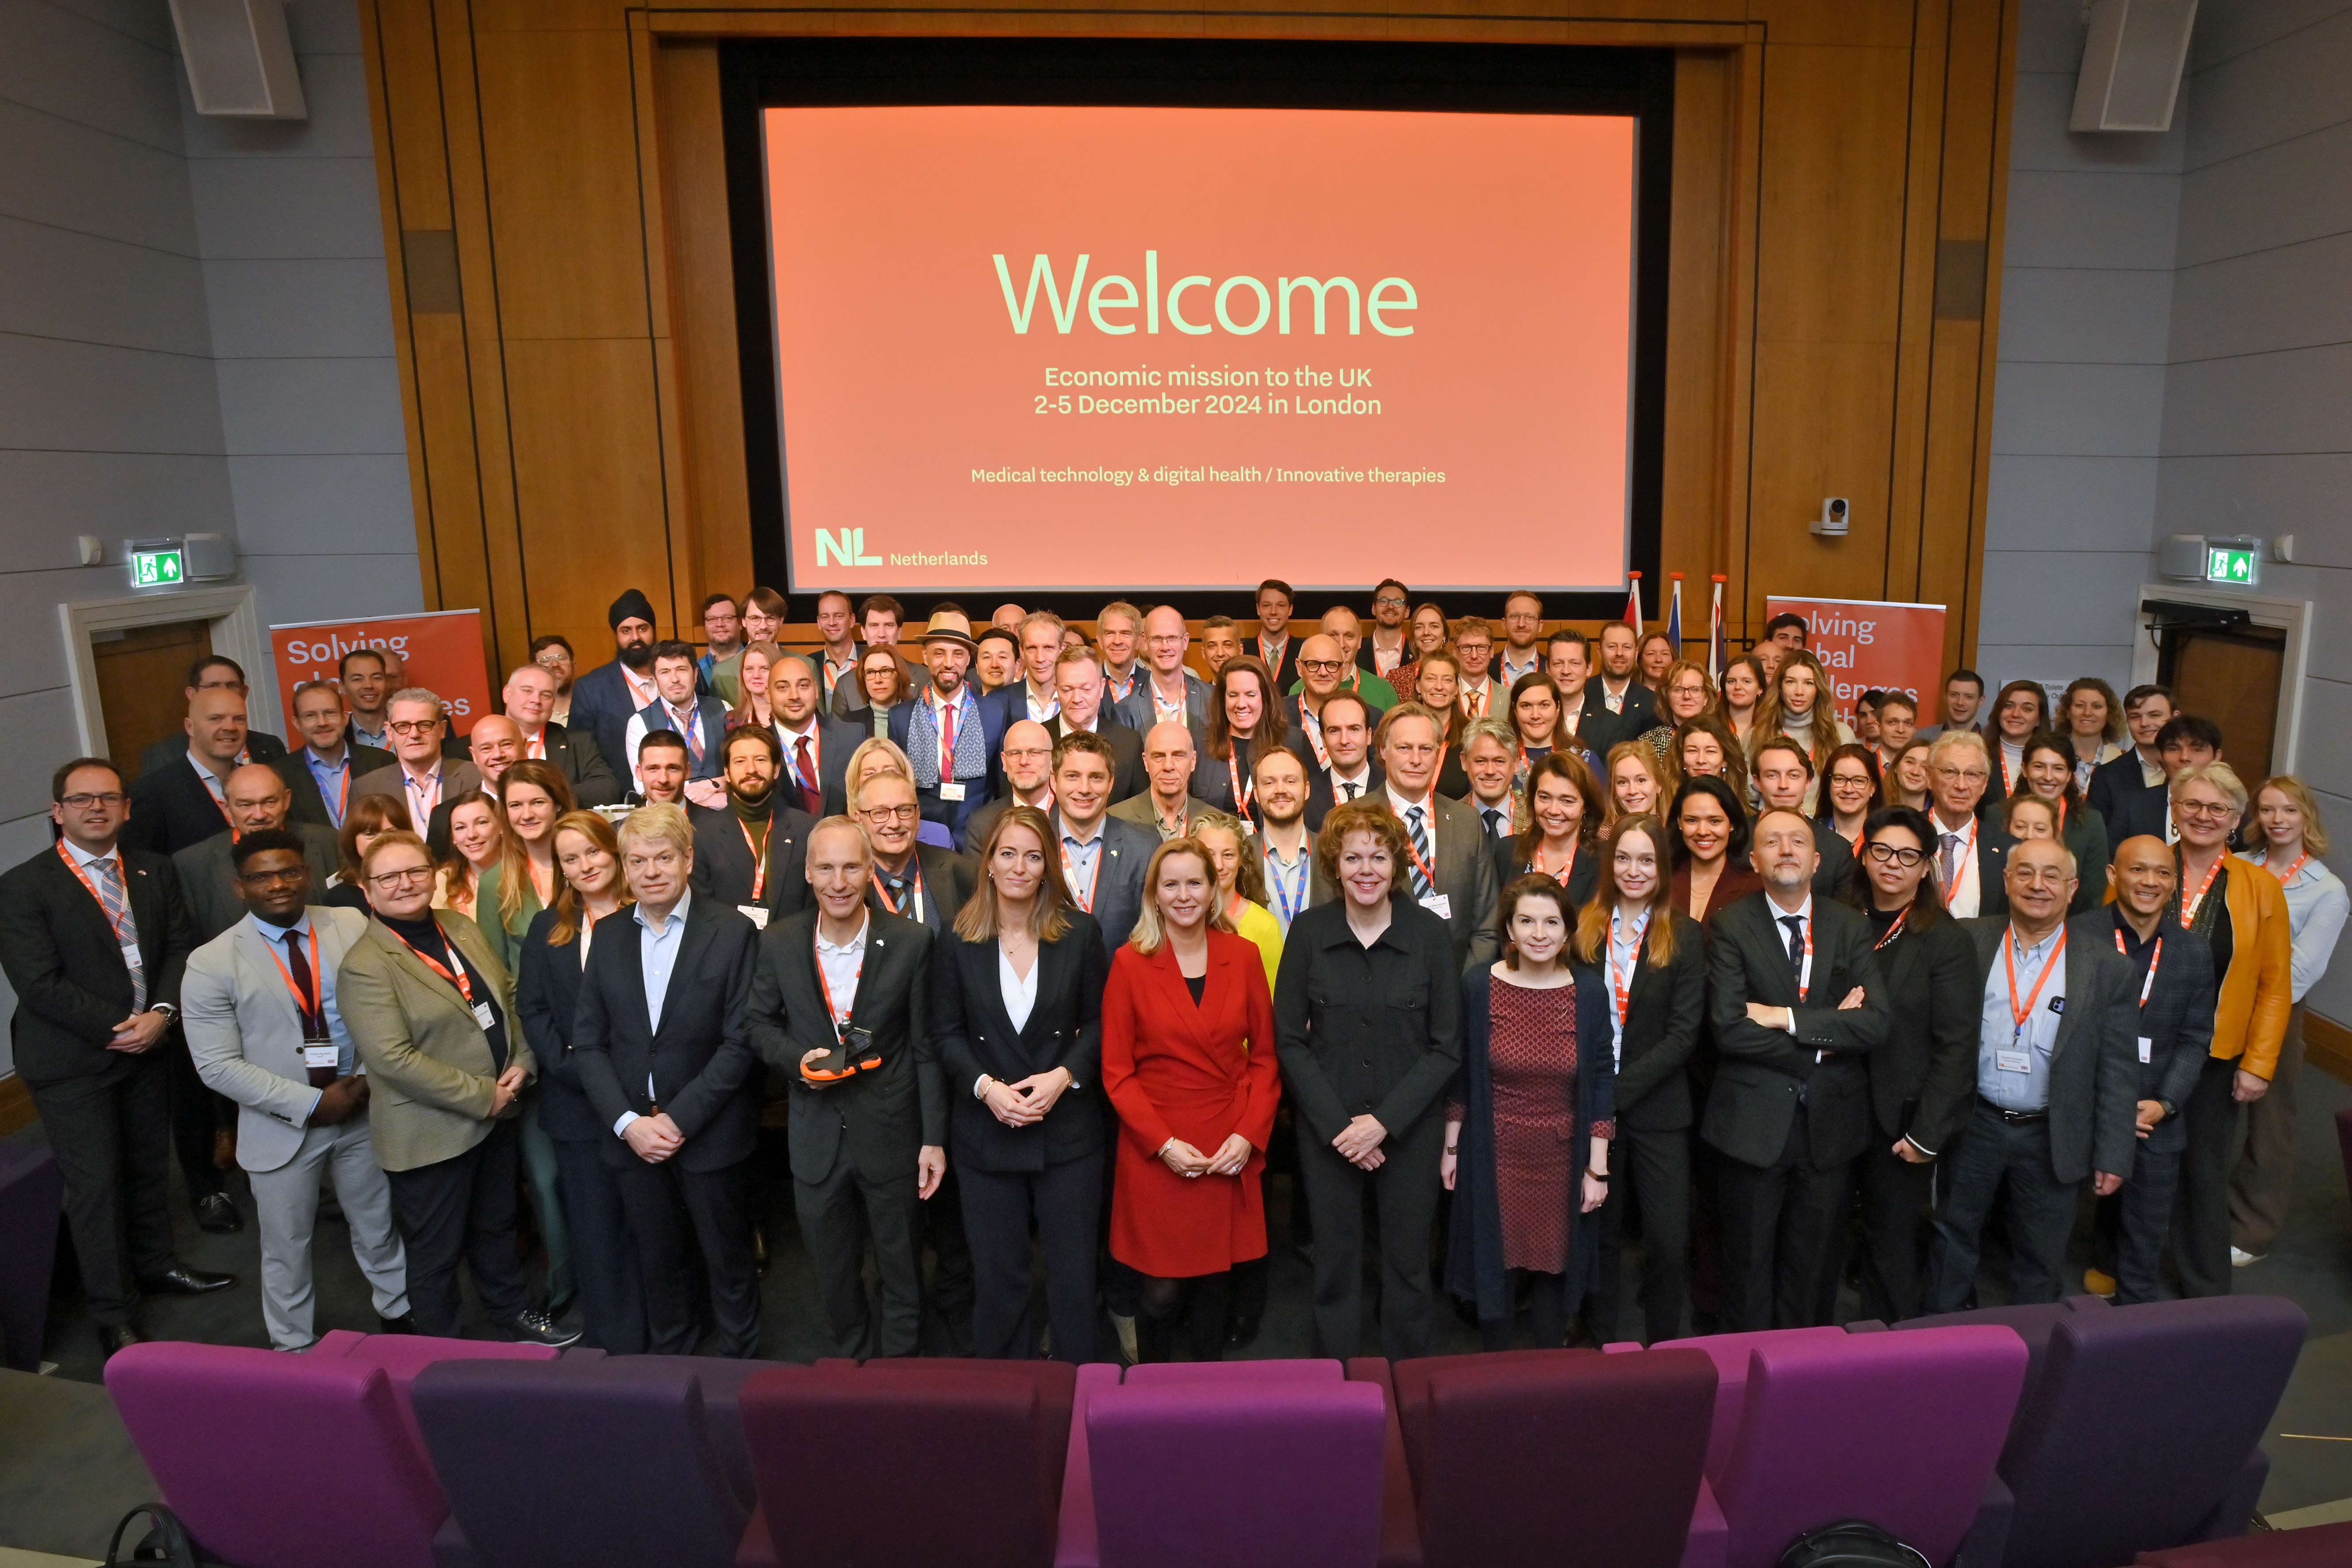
(1105, 348)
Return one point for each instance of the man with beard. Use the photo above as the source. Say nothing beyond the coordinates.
(750, 853)
(949, 736)
(605, 700)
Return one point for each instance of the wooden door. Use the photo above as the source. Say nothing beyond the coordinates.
(2231, 678)
(142, 679)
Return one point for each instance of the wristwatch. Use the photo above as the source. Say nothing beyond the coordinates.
(169, 1009)
(2169, 1109)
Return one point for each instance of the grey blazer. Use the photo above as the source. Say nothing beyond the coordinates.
(1135, 711)
(246, 1036)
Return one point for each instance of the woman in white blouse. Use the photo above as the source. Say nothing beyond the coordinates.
(2290, 840)
(1017, 1016)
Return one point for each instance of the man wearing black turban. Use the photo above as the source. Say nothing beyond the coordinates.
(604, 700)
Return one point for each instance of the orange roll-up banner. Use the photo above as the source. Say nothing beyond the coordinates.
(1863, 644)
(443, 649)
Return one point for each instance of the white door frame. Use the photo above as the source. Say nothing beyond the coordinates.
(236, 633)
(2291, 616)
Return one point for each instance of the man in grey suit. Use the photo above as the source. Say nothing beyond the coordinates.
(258, 1006)
(1451, 869)
(1104, 859)
(530, 699)
(2057, 1082)
(1166, 690)
(259, 798)
(422, 778)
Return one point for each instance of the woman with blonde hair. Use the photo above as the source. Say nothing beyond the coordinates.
(1016, 1015)
(2291, 837)
(1637, 782)
(1241, 885)
(1187, 1060)
(751, 679)
(1798, 705)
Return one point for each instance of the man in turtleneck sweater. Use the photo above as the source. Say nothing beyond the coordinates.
(751, 853)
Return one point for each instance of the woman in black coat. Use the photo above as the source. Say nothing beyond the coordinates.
(554, 954)
(1016, 1007)
(1923, 1081)
(1561, 802)
(1632, 939)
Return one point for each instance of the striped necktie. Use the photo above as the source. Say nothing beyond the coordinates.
(1422, 887)
(107, 875)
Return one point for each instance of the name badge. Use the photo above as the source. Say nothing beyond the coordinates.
(320, 1057)
(754, 913)
(2147, 1050)
(1439, 905)
(130, 958)
(2013, 1061)
(949, 789)
(483, 1016)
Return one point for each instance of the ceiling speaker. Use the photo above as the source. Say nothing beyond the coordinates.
(2131, 65)
(240, 61)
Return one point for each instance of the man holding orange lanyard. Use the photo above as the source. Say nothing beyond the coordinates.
(2057, 1082)
(295, 1076)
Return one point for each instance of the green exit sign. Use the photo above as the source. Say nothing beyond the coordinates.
(157, 568)
(2230, 563)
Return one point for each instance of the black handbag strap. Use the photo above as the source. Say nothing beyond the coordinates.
(167, 1543)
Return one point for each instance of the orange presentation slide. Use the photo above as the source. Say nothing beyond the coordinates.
(1132, 348)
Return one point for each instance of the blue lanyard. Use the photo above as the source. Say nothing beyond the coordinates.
(1287, 900)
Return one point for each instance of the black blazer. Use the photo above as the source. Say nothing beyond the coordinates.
(1128, 778)
(1582, 877)
(547, 1000)
(700, 1060)
(1322, 794)
(879, 1119)
(582, 763)
(171, 808)
(1597, 729)
(1923, 1081)
(1124, 859)
(835, 740)
(1837, 859)
(2095, 1060)
(1637, 712)
(2118, 784)
(724, 867)
(948, 881)
(259, 744)
(974, 1035)
(59, 952)
(1754, 1098)
(310, 805)
(1285, 673)
(656, 714)
(2177, 1025)
(1367, 1031)
(1663, 1011)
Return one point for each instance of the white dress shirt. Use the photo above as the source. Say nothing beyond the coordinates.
(657, 957)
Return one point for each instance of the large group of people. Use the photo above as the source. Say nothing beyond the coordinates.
(1551, 971)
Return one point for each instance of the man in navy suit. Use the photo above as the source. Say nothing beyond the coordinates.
(700, 721)
(605, 698)
(1104, 858)
(949, 733)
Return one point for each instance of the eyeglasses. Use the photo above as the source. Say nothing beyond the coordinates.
(414, 726)
(405, 877)
(891, 813)
(1905, 858)
(291, 874)
(1970, 775)
(2216, 811)
(1391, 600)
(1321, 665)
(84, 802)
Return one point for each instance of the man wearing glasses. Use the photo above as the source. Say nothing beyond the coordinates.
(1387, 648)
(1344, 628)
(423, 777)
(1166, 691)
(93, 938)
(295, 1077)
(925, 883)
(1970, 852)
(1027, 757)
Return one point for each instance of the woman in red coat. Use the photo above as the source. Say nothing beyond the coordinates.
(1188, 1062)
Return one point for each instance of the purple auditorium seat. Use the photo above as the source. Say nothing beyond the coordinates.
(279, 1461)
(1285, 1474)
(912, 1461)
(1197, 1373)
(1411, 1385)
(1400, 1515)
(31, 1195)
(1075, 1544)
(1899, 1430)
(2034, 1323)
(2144, 1429)
(2319, 1546)
(1729, 1353)
(721, 1380)
(1572, 1459)
(403, 1356)
(576, 1464)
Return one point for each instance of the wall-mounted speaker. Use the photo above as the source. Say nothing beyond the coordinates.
(241, 60)
(2131, 65)
(209, 556)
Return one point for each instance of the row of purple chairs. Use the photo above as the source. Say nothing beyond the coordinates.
(2067, 1436)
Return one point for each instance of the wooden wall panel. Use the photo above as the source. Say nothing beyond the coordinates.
(578, 423)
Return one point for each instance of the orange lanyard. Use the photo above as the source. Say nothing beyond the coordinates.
(914, 893)
(541, 883)
(465, 986)
(2189, 907)
(75, 867)
(1892, 932)
(1429, 874)
(1244, 790)
(2154, 959)
(758, 855)
(2009, 956)
(840, 1015)
(1962, 862)
(1069, 876)
(1620, 985)
(1561, 876)
(1313, 725)
(305, 1003)
(2289, 874)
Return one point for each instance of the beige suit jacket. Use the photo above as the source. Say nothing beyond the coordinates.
(430, 1077)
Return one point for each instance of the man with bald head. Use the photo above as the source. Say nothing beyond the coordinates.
(815, 745)
(1027, 757)
(256, 796)
(1165, 687)
(529, 701)
(1346, 630)
(1168, 808)
(2173, 980)
(180, 802)
(2058, 1081)
(1797, 1004)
